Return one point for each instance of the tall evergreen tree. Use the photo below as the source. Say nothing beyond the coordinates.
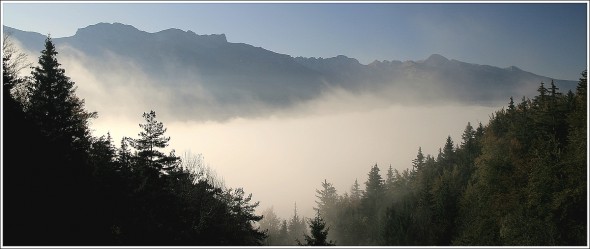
(102, 154)
(327, 199)
(419, 161)
(328, 203)
(296, 227)
(511, 106)
(272, 225)
(390, 178)
(55, 125)
(374, 184)
(242, 218)
(447, 152)
(372, 203)
(150, 140)
(52, 103)
(468, 135)
(542, 92)
(283, 237)
(356, 192)
(572, 199)
(319, 233)
(123, 153)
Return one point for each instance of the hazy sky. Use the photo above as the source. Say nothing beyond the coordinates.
(547, 39)
(283, 158)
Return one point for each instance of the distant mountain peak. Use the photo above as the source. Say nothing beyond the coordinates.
(236, 72)
(378, 63)
(436, 59)
(345, 59)
(174, 32)
(104, 27)
(513, 68)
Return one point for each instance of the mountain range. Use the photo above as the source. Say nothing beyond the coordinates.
(232, 74)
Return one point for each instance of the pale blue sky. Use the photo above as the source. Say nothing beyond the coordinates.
(546, 39)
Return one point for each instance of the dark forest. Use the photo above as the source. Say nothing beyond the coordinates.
(520, 180)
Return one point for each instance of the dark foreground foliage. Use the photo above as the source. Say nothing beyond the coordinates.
(63, 186)
(519, 181)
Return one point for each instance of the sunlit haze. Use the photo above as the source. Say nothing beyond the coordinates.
(282, 155)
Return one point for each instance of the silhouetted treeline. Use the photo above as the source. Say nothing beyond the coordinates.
(62, 186)
(283, 232)
(519, 181)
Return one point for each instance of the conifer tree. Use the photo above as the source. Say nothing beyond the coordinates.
(296, 227)
(419, 161)
(241, 218)
(271, 224)
(468, 135)
(150, 140)
(371, 204)
(55, 126)
(124, 154)
(447, 152)
(328, 203)
(511, 106)
(542, 92)
(52, 103)
(355, 191)
(553, 90)
(319, 233)
(390, 178)
(283, 238)
(374, 185)
(327, 198)
(102, 150)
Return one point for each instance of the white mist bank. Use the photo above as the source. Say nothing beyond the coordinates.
(284, 160)
(281, 157)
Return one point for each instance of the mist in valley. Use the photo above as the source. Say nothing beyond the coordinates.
(280, 155)
(291, 143)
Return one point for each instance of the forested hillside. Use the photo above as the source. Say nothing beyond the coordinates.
(518, 181)
(63, 186)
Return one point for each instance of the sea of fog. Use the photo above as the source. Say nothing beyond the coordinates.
(283, 160)
(281, 156)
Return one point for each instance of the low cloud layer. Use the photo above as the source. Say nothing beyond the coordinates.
(280, 154)
(282, 160)
(190, 77)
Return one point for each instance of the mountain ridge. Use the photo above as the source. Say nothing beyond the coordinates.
(222, 37)
(236, 73)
